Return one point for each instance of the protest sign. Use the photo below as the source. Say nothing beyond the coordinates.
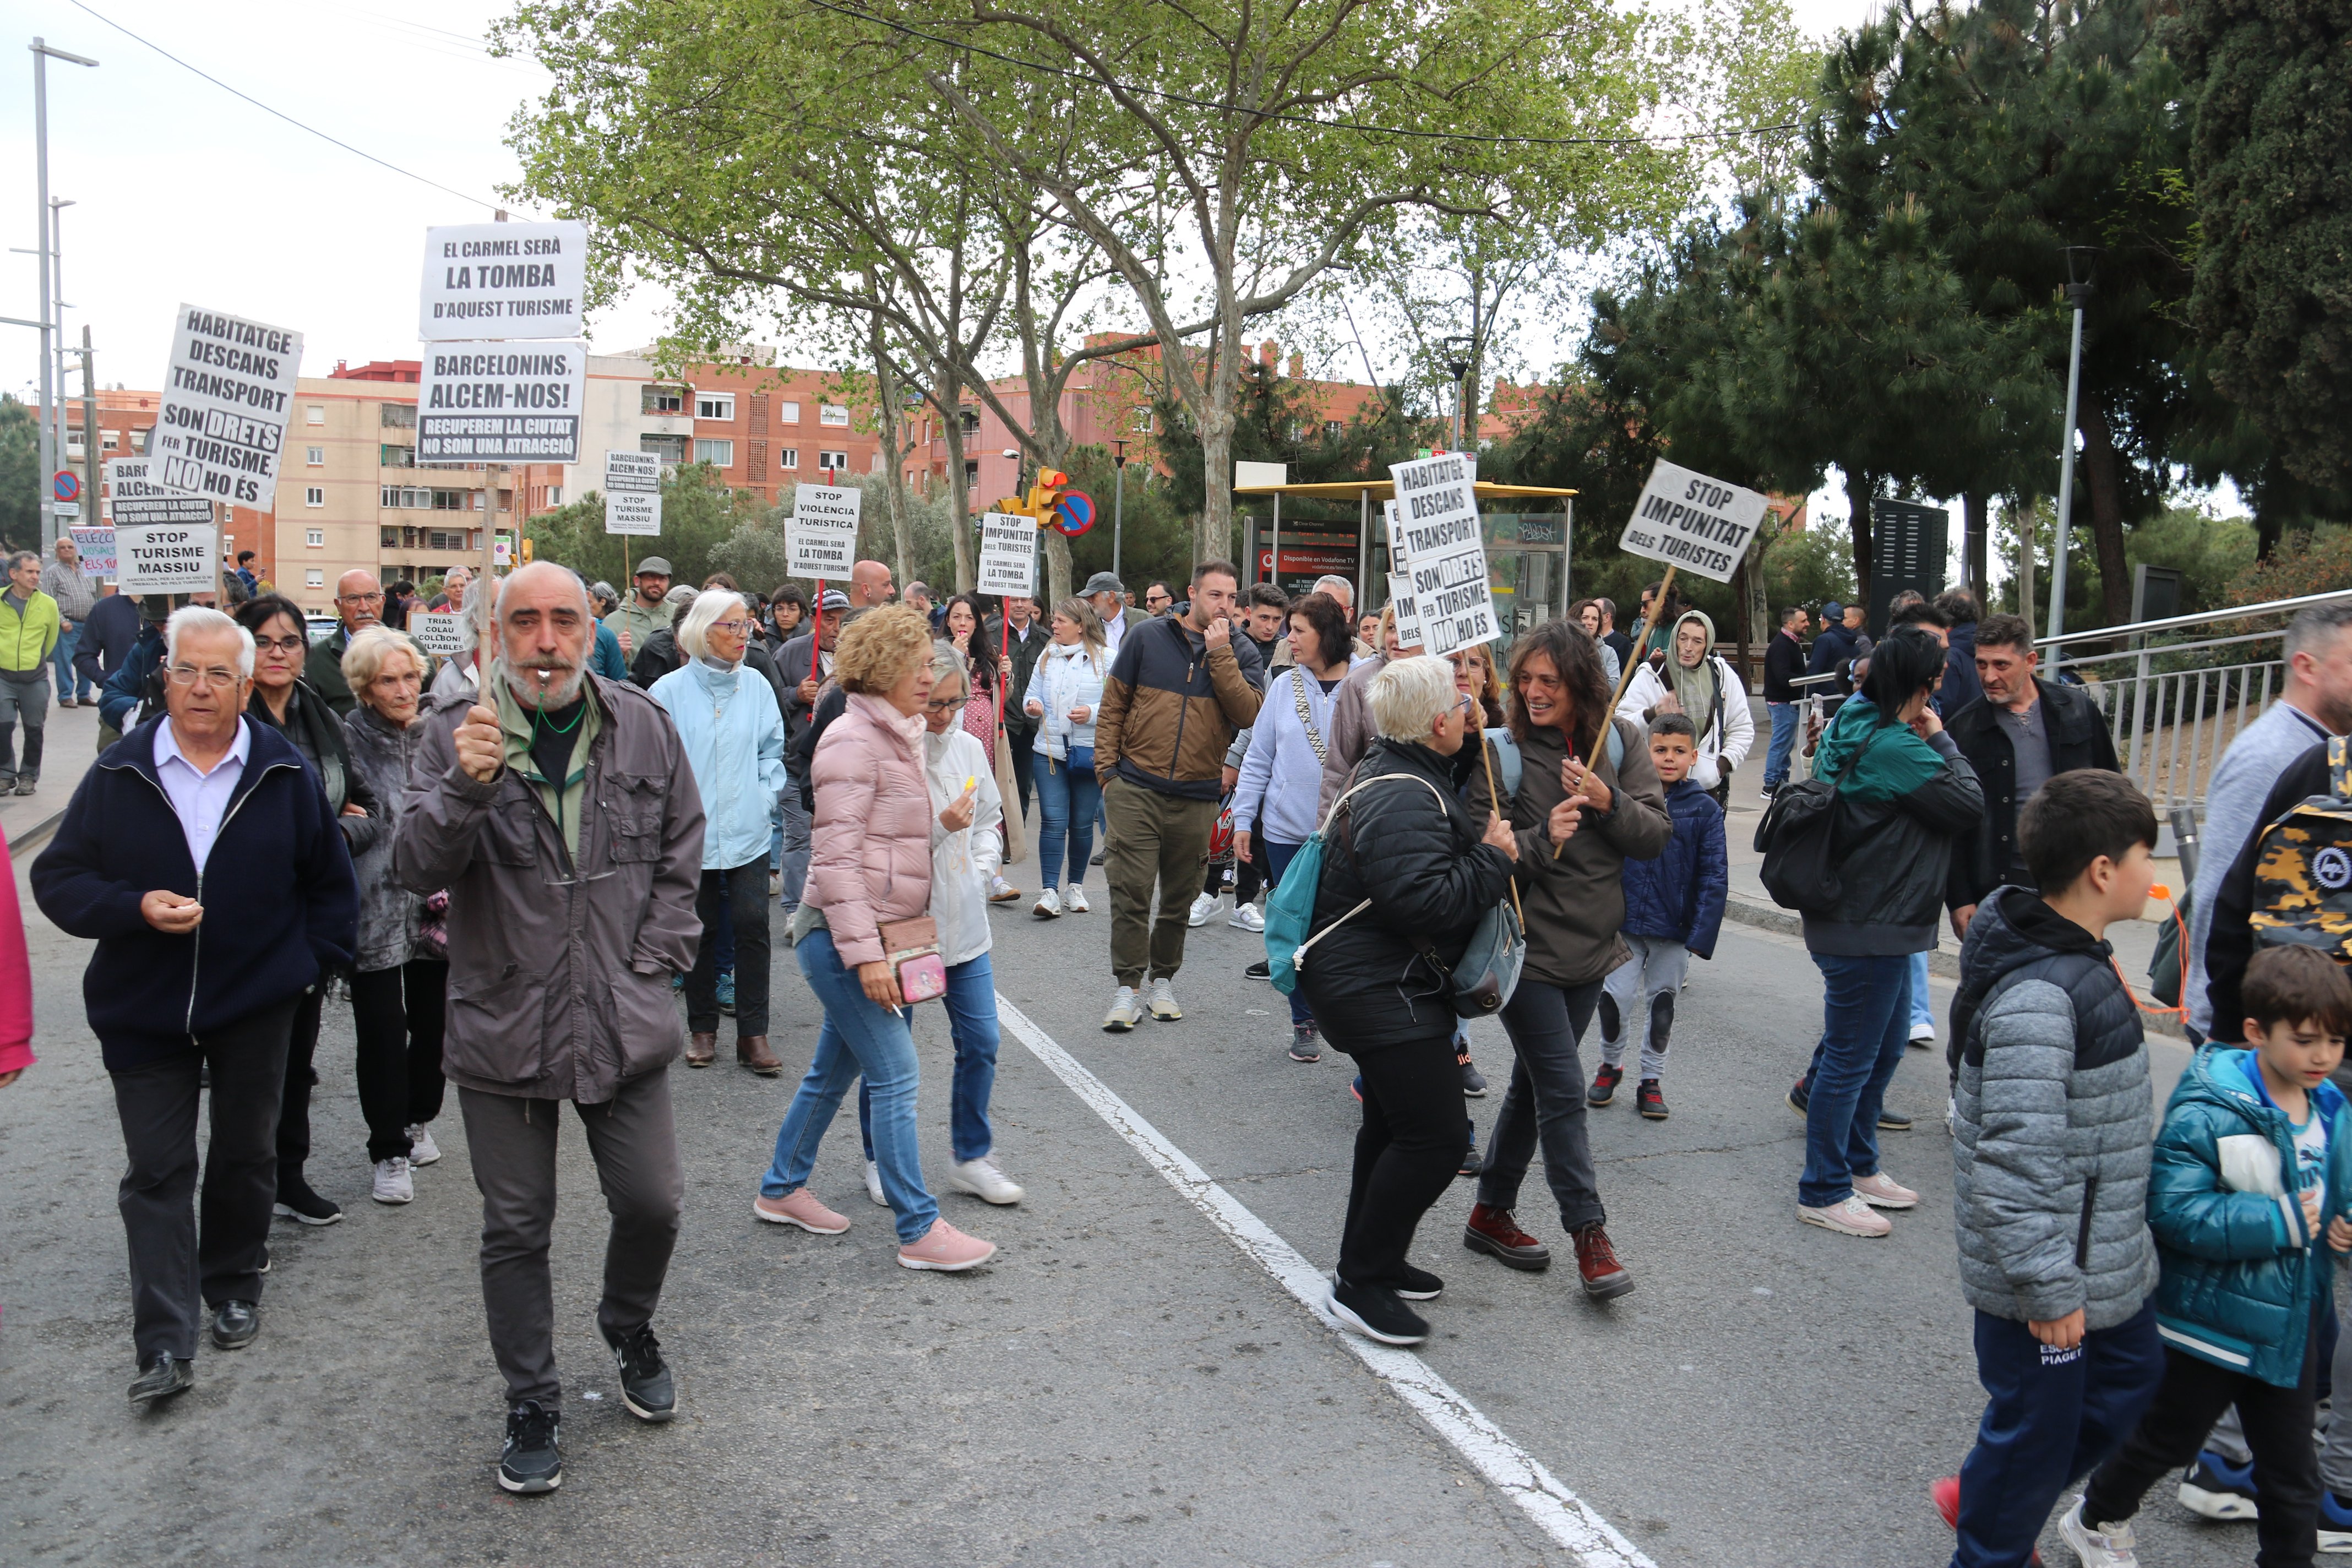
(1396, 540)
(1008, 553)
(1694, 523)
(503, 280)
(97, 547)
(228, 390)
(437, 632)
(501, 403)
(1437, 528)
(633, 502)
(165, 557)
(1408, 610)
(821, 540)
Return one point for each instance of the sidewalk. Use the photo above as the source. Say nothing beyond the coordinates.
(68, 747)
(2134, 942)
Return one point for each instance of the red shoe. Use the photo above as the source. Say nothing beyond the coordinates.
(1496, 1234)
(1946, 1494)
(1596, 1260)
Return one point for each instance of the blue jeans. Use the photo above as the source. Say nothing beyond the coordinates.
(970, 1003)
(1865, 1019)
(2051, 1417)
(71, 682)
(1784, 740)
(1923, 1006)
(1068, 801)
(860, 1035)
(1278, 858)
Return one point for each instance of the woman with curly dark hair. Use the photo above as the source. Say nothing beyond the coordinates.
(1588, 801)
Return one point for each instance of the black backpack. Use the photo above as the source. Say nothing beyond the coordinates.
(1799, 841)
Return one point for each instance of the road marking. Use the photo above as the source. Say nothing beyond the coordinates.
(1556, 1512)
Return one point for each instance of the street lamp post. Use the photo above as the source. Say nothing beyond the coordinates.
(1457, 351)
(2078, 294)
(1117, 504)
(42, 55)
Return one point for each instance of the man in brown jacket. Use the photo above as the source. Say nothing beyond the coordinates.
(563, 821)
(1177, 691)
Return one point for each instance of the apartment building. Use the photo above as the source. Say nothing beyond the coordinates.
(761, 426)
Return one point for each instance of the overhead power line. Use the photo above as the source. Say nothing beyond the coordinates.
(1355, 125)
(281, 114)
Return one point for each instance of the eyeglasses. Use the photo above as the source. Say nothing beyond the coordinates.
(359, 598)
(285, 644)
(189, 675)
(733, 628)
(1157, 599)
(941, 704)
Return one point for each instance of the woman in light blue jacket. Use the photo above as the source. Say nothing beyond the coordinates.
(1064, 695)
(733, 733)
(1281, 775)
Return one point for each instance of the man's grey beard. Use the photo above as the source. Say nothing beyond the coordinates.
(560, 692)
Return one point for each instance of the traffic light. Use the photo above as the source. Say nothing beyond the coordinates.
(1052, 500)
(528, 550)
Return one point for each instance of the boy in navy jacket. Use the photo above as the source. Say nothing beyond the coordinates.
(1674, 908)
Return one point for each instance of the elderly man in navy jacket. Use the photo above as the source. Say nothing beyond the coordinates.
(201, 856)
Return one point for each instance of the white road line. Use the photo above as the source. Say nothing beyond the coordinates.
(1558, 1512)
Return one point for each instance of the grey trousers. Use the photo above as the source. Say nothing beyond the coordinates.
(29, 699)
(1638, 998)
(173, 1264)
(2228, 1434)
(795, 856)
(513, 1142)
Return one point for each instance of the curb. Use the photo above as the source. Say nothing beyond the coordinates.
(36, 836)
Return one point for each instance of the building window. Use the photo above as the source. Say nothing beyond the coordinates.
(388, 537)
(316, 495)
(832, 414)
(399, 415)
(669, 448)
(788, 457)
(436, 540)
(106, 440)
(315, 578)
(971, 473)
(316, 413)
(316, 538)
(714, 405)
(138, 438)
(837, 461)
(664, 399)
(970, 419)
(718, 454)
(555, 495)
(316, 456)
(788, 413)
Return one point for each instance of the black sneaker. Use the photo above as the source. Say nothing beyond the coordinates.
(1260, 970)
(1377, 1312)
(1474, 1082)
(647, 1387)
(1800, 1094)
(1305, 1047)
(1604, 1085)
(532, 1460)
(306, 1207)
(1415, 1284)
(1650, 1101)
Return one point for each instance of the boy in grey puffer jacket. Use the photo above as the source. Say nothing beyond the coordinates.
(2051, 1136)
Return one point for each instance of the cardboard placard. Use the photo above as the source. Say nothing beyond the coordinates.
(633, 500)
(1692, 521)
(1438, 529)
(821, 539)
(437, 632)
(501, 403)
(503, 280)
(1008, 553)
(97, 547)
(1408, 610)
(228, 392)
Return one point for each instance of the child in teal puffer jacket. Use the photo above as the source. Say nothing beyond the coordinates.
(2252, 1167)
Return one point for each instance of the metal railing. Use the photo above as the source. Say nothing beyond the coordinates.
(2173, 708)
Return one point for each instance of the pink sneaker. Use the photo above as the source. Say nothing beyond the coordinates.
(946, 1250)
(1849, 1215)
(1881, 1191)
(800, 1207)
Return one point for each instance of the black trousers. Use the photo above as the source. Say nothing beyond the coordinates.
(2278, 1430)
(1545, 1104)
(398, 1015)
(1407, 1153)
(176, 1265)
(1022, 755)
(744, 892)
(294, 1112)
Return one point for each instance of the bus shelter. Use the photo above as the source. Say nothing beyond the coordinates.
(1527, 546)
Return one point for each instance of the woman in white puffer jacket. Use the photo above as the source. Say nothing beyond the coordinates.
(1064, 695)
(1700, 684)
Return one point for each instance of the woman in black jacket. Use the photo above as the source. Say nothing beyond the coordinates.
(285, 702)
(1407, 875)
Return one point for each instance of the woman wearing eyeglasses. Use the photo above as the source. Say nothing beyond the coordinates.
(289, 704)
(733, 733)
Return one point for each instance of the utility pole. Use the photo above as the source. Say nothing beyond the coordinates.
(1117, 504)
(2079, 295)
(55, 237)
(91, 469)
(42, 55)
(1457, 352)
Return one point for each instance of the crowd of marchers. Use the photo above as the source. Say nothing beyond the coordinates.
(509, 864)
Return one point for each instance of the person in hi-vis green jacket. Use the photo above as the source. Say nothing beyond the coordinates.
(29, 629)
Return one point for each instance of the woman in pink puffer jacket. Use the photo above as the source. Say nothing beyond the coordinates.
(870, 862)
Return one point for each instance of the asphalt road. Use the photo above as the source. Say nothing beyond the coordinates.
(1125, 1385)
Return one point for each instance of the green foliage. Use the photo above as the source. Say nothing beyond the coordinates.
(698, 515)
(20, 476)
(1808, 566)
(2316, 562)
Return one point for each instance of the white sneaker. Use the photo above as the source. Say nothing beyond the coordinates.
(1923, 1035)
(421, 1150)
(1246, 917)
(1203, 907)
(873, 1183)
(1163, 1000)
(983, 1181)
(1124, 1011)
(1849, 1215)
(2110, 1546)
(1075, 900)
(1048, 905)
(392, 1183)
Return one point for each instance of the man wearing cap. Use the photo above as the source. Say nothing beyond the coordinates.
(804, 665)
(1108, 594)
(1841, 642)
(644, 614)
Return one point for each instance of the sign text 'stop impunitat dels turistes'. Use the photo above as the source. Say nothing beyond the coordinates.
(503, 280)
(1699, 524)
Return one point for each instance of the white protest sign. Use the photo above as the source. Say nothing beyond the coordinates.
(228, 392)
(821, 540)
(1438, 525)
(436, 632)
(1408, 610)
(633, 500)
(501, 403)
(1396, 540)
(97, 547)
(150, 521)
(1696, 523)
(503, 280)
(1008, 553)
